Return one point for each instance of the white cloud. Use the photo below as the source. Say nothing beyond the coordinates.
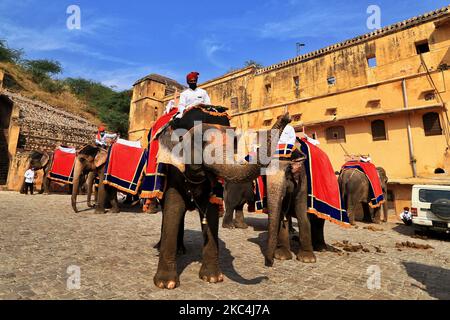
(211, 47)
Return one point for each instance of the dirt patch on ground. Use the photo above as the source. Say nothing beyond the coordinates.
(348, 247)
(373, 228)
(413, 245)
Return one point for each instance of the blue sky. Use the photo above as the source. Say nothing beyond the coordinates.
(121, 41)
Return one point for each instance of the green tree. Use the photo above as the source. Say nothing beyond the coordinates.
(42, 69)
(249, 63)
(9, 55)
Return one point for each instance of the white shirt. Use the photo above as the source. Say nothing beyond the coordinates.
(189, 98)
(288, 136)
(29, 176)
(103, 138)
(406, 215)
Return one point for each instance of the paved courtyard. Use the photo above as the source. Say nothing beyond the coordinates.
(42, 242)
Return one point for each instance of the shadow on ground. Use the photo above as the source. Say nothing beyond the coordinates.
(193, 254)
(412, 231)
(435, 279)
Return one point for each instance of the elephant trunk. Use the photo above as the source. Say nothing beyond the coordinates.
(242, 173)
(385, 210)
(76, 182)
(274, 226)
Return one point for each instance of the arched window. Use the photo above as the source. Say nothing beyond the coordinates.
(378, 130)
(431, 124)
(335, 134)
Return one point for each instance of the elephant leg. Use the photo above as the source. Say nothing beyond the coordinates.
(210, 270)
(318, 239)
(239, 221)
(112, 192)
(45, 183)
(101, 194)
(305, 253)
(367, 213)
(283, 251)
(377, 215)
(228, 217)
(90, 183)
(166, 276)
(181, 249)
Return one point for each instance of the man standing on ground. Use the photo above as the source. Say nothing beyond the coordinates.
(29, 180)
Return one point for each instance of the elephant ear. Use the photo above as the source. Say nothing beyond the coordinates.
(169, 151)
(45, 159)
(100, 158)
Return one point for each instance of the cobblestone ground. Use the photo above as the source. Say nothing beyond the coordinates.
(40, 237)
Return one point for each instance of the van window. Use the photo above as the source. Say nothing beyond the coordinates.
(431, 196)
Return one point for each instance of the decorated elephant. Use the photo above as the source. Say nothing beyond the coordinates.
(286, 194)
(189, 186)
(355, 189)
(40, 160)
(92, 159)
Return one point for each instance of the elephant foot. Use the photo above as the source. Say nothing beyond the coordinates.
(210, 274)
(320, 247)
(166, 279)
(283, 253)
(240, 224)
(100, 211)
(306, 257)
(115, 210)
(227, 224)
(268, 262)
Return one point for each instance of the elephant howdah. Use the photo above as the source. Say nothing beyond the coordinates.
(63, 165)
(124, 166)
(324, 196)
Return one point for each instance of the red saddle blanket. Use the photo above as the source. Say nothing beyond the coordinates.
(324, 197)
(63, 165)
(154, 180)
(376, 192)
(124, 166)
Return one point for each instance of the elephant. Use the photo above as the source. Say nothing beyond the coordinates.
(41, 160)
(188, 187)
(92, 159)
(354, 187)
(236, 195)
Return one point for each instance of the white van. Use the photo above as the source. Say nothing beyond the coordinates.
(430, 207)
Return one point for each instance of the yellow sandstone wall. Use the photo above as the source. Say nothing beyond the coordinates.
(360, 95)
